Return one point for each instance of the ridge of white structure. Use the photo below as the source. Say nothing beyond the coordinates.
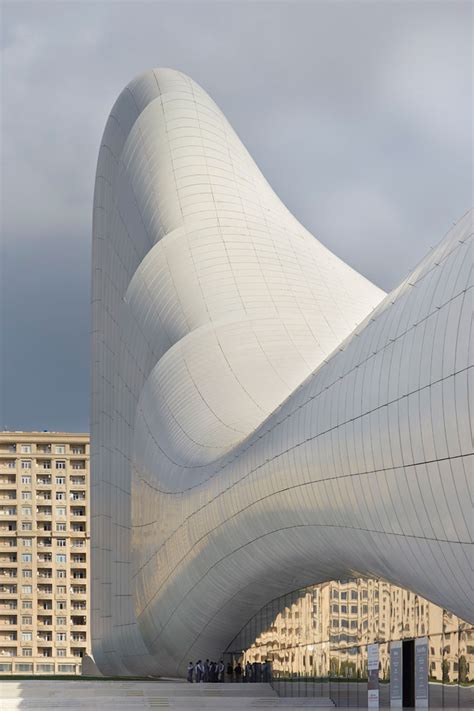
(263, 417)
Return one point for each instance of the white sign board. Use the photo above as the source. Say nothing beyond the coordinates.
(373, 673)
(421, 672)
(396, 674)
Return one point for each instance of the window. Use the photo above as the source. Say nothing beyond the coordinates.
(26, 636)
(26, 620)
(26, 557)
(60, 527)
(61, 652)
(26, 573)
(60, 495)
(69, 668)
(26, 542)
(26, 495)
(26, 510)
(354, 609)
(344, 609)
(61, 636)
(26, 526)
(27, 604)
(24, 668)
(26, 479)
(353, 594)
(26, 463)
(60, 448)
(46, 463)
(26, 652)
(61, 542)
(61, 605)
(343, 596)
(61, 573)
(61, 621)
(25, 449)
(60, 558)
(60, 510)
(60, 464)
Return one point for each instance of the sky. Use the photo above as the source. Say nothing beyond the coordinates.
(358, 113)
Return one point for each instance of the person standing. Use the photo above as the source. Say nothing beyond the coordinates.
(198, 671)
(238, 672)
(206, 671)
(220, 671)
(190, 672)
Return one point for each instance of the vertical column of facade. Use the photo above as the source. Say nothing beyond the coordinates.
(44, 534)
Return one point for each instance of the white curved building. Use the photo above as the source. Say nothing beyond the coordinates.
(263, 417)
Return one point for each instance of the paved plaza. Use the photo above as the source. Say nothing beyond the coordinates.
(43, 695)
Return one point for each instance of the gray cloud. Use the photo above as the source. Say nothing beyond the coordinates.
(359, 114)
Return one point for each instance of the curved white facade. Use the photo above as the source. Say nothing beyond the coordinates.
(256, 425)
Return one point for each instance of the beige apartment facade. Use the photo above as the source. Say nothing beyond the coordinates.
(44, 552)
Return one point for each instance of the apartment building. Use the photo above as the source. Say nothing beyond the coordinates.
(44, 552)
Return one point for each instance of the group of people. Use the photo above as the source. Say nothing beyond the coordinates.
(205, 671)
(218, 672)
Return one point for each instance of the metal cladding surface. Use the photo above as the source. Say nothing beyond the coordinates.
(263, 417)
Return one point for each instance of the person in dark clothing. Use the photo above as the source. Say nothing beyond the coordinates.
(206, 671)
(212, 672)
(230, 672)
(199, 671)
(238, 672)
(248, 673)
(190, 672)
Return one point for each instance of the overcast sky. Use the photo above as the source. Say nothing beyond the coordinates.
(358, 113)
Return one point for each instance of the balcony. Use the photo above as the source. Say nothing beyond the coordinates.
(7, 480)
(8, 620)
(43, 512)
(45, 652)
(43, 481)
(78, 511)
(44, 542)
(7, 528)
(8, 605)
(7, 558)
(78, 481)
(81, 605)
(8, 651)
(8, 511)
(8, 589)
(7, 543)
(43, 496)
(45, 590)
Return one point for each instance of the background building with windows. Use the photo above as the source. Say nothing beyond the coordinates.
(44, 552)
